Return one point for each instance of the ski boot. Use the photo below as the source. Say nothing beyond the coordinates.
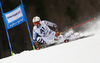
(38, 45)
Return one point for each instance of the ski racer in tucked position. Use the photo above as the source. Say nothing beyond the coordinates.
(46, 34)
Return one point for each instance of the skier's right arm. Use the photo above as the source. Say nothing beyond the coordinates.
(34, 35)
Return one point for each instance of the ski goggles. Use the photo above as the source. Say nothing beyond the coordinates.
(35, 23)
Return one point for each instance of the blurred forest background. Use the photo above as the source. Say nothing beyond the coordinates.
(65, 13)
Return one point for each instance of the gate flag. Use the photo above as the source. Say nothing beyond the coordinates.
(14, 17)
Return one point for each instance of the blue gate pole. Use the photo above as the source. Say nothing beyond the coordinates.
(30, 35)
(9, 42)
(28, 28)
(21, 1)
(6, 31)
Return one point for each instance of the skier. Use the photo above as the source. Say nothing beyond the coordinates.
(46, 34)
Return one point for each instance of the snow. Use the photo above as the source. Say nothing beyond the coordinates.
(85, 50)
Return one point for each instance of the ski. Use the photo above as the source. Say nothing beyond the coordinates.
(78, 38)
(43, 46)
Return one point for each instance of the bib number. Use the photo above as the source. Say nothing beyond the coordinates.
(42, 30)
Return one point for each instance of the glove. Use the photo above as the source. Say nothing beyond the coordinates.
(34, 41)
(57, 33)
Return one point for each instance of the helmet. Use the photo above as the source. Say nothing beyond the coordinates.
(35, 19)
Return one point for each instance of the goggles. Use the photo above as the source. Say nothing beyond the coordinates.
(35, 23)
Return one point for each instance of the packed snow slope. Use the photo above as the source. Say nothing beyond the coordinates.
(85, 50)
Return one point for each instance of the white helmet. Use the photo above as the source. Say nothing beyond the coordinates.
(35, 19)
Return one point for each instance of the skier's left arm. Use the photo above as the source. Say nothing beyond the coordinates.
(50, 24)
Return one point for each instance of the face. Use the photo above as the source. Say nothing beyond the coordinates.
(37, 23)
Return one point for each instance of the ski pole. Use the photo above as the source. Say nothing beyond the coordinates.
(83, 23)
(79, 24)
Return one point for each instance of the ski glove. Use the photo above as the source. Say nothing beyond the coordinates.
(57, 33)
(34, 41)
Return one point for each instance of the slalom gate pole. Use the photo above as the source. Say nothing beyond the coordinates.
(21, 1)
(28, 29)
(6, 30)
(79, 24)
